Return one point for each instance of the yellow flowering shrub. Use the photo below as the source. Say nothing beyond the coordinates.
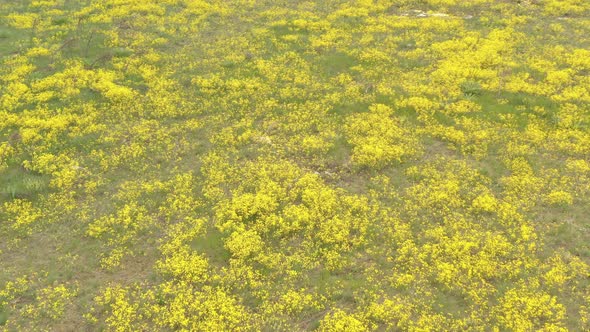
(565, 7)
(377, 139)
(523, 310)
(12, 289)
(246, 165)
(23, 21)
(205, 310)
(21, 215)
(341, 321)
(244, 244)
(485, 203)
(122, 312)
(185, 265)
(559, 198)
(51, 302)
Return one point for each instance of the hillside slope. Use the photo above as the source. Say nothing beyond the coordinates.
(294, 165)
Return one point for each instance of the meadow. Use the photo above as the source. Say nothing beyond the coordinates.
(283, 165)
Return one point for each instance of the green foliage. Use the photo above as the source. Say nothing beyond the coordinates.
(297, 165)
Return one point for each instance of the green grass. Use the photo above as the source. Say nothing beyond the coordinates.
(212, 246)
(17, 182)
(10, 38)
(3, 316)
(335, 63)
(60, 250)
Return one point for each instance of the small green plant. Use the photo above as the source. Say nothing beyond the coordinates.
(471, 88)
(3, 316)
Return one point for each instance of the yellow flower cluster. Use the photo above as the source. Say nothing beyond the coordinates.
(377, 139)
(246, 165)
